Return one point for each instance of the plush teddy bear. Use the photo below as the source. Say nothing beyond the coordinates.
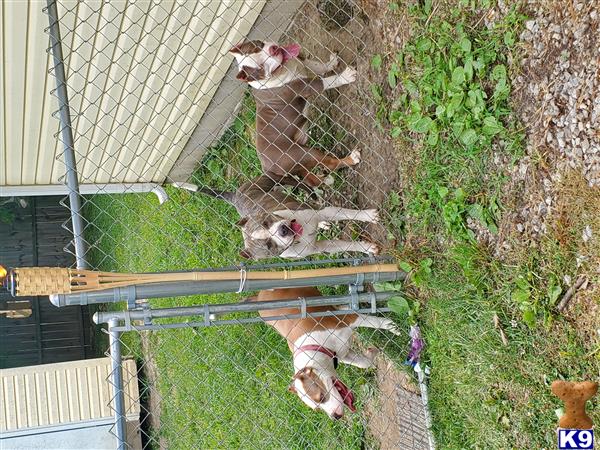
(574, 396)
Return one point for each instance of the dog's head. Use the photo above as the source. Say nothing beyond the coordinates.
(320, 389)
(257, 60)
(267, 235)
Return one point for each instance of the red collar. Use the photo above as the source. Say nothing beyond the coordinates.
(320, 349)
(316, 348)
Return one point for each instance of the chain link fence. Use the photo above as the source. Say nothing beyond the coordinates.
(164, 133)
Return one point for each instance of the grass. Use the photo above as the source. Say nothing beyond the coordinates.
(220, 387)
(449, 93)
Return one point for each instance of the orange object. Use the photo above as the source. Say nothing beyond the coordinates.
(574, 396)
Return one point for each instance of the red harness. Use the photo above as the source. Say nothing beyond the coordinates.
(346, 394)
(320, 349)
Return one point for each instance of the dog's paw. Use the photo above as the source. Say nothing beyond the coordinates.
(372, 352)
(348, 75)
(371, 215)
(324, 225)
(394, 329)
(354, 157)
(372, 249)
(334, 60)
(328, 180)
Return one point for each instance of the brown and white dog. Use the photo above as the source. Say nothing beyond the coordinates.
(317, 344)
(282, 83)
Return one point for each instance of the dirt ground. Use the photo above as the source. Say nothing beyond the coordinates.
(555, 187)
(395, 413)
(150, 417)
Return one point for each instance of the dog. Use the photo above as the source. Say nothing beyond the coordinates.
(274, 223)
(282, 83)
(317, 345)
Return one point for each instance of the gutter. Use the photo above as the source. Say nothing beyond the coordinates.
(84, 189)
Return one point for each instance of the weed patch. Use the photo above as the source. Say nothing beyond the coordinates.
(450, 101)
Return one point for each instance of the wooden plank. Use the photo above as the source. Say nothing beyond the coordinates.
(31, 395)
(21, 409)
(72, 393)
(4, 404)
(94, 126)
(48, 148)
(3, 152)
(62, 395)
(49, 345)
(10, 400)
(54, 402)
(67, 13)
(83, 391)
(162, 89)
(93, 391)
(42, 396)
(105, 390)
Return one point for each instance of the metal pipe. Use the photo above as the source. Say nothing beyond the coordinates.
(224, 308)
(85, 189)
(185, 288)
(116, 377)
(67, 135)
(421, 375)
(129, 326)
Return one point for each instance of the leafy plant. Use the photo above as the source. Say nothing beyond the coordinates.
(399, 304)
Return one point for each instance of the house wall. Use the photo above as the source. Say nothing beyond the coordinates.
(140, 76)
(66, 405)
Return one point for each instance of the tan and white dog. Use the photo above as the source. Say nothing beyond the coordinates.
(282, 83)
(317, 344)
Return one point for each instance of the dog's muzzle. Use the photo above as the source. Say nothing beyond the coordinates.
(293, 229)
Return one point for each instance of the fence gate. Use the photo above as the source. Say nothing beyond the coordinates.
(149, 93)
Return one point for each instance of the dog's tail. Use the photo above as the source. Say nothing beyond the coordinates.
(221, 195)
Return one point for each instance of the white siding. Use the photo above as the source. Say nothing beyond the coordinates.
(53, 394)
(140, 76)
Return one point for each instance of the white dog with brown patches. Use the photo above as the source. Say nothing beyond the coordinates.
(317, 344)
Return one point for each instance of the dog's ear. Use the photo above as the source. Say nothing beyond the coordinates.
(242, 222)
(242, 75)
(246, 254)
(236, 49)
(249, 74)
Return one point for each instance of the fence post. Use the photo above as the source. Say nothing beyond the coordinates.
(116, 376)
(67, 134)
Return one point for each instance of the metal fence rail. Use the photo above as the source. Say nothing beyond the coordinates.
(138, 83)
